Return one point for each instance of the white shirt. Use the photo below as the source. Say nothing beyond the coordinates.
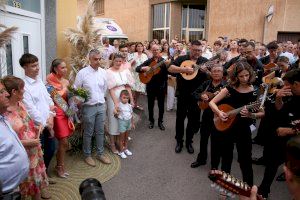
(125, 111)
(106, 51)
(289, 55)
(95, 81)
(37, 100)
(207, 54)
(14, 162)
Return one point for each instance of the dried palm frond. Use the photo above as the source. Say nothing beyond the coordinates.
(6, 35)
(82, 40)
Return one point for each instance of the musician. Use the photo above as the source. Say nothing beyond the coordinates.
(212, 86)
(156, 87)
(273, 54)
(291, 170)
(287, 105)
(239, 92)
(186, 104)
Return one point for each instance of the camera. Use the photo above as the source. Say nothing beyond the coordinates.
(91, 189)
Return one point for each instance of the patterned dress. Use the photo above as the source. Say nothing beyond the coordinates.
(138, 85)
(24, 126)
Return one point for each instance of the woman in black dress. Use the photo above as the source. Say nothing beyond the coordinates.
(238, 93)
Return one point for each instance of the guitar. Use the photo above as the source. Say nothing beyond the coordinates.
(188, 63)
(230, 185)
(273, 83)
(145, 77)
(232, 112)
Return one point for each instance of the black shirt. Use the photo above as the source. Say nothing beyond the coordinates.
(185, 88)
(290, 111)
(158, 81)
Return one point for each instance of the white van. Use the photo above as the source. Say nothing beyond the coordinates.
(110, 29)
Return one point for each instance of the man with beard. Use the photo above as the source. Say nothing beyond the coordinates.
(186, 105)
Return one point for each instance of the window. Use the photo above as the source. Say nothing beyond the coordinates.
(193, 21)
(99, 7)
(161, 21)
(26, 43)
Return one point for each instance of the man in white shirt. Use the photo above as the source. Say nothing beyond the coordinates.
(107, 49)
(93, 79)
(38, 103)
(14, 163)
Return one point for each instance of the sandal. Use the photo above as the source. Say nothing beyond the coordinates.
(60, 171)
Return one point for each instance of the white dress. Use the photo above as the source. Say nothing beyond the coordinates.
(116, 80)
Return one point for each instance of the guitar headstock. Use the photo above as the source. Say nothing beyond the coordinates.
(229, 185)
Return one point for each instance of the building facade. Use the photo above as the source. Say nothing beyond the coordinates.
(197, 19)
(33, 35)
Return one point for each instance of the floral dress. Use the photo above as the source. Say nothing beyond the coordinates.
(138, 85)
(24, 126)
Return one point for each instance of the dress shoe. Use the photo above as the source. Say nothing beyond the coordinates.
(151, 125)
(90, 161)
(104, 159)
(161, 126)
(178, 147)
(281, 177)
(190, 148)
(197, 164)
(259, 161)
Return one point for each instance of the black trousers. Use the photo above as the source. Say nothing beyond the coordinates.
(159, 94)
(275, 154)
(223, 146)
(187, 108)
(48, 146)
(206, 129)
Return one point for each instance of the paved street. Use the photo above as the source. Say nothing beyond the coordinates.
(156, 172)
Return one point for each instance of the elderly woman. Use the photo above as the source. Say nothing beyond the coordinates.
(29, 134)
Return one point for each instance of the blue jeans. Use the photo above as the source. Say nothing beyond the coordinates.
(48, 146)
(93, 118)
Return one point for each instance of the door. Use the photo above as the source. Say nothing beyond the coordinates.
(27, 39)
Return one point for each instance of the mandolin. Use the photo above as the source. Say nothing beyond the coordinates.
(232, 112)
(145, 77)
(189, 63)
(204, 104)
(229, 185)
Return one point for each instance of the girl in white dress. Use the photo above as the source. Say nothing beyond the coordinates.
(118, 79)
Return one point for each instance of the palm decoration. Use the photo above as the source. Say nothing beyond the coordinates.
(6, 34)
(83, 39)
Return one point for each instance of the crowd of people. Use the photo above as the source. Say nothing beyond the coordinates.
(195, 78)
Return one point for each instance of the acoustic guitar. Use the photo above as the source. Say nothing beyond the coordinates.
(155, 67)
(273, 83)
(232, 112)
(229, 185)
(204, 104)
(189, 63)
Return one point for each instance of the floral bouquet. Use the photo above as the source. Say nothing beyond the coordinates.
(76, 97)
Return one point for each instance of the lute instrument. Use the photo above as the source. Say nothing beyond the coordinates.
(229, 185)
(203, 67)
(204, 104)
(155, 67)
(232, 112)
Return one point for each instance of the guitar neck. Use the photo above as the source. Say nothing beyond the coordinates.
(238, 110)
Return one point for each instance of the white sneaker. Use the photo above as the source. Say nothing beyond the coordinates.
(122, 155)
(128, 153)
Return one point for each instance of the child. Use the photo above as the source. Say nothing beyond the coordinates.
(125, 122)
